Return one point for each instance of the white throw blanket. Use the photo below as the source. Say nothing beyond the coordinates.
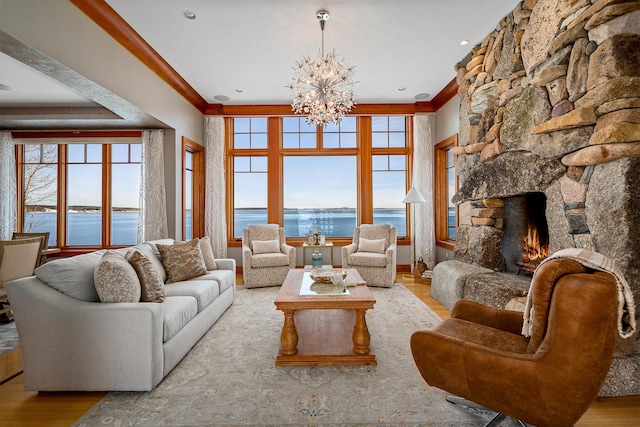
(595, 261)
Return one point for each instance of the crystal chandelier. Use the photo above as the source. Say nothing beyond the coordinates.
(322, 88)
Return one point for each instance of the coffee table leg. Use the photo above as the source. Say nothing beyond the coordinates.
(361, 337)
(289, 336)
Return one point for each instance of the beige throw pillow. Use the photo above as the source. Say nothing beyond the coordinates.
(151, 284)
(116, 280)
(265, 246)
(182, 261)
(375, 246)
(207, 254)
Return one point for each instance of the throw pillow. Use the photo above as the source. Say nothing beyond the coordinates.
(116, 280)
(182, 261)
(265, 246)
(207, 254)
(376, 246)
(151, 284)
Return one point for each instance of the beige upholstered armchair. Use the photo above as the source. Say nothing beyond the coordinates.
(373, 254)
(266, 257)
(18, 258)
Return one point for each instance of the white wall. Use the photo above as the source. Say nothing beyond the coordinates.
(447, 123)
(59, 30)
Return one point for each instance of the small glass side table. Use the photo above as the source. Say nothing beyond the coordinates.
(306, 246)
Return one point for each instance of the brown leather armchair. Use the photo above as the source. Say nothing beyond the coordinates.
(549, 379)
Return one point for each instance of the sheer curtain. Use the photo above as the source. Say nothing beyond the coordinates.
(8, 199)
(423, 139)
(152, 221)
(215, 224)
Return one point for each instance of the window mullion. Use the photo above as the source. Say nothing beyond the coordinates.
(275, 214)
(106, 195)
(365, 172)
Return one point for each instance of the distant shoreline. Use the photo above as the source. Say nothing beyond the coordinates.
(45, 209)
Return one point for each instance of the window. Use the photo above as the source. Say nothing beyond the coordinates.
(446, 185)
(40, 189)
(84, 194)
(192, 189)
(332, 177)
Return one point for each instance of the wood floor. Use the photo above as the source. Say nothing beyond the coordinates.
(20, 408)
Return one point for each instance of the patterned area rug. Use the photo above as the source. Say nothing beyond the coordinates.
(8, 337)
(229, 377)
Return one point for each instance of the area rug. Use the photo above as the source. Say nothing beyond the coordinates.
(229, 377)
(8, 337)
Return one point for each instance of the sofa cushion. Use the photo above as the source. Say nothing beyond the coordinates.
(375, 231)
(269, 260)
(176, 312)
(154, 256)
(151, 283)
(367, 259)
(115, 279)
(207, 254)
(265, 247)
(225, 278)
(204, 291)
(373, 245)
(182, 261)
(72, 276)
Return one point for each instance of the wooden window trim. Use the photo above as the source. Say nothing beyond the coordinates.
(198, 191)
(440, 191)
(91, 137)
(275, 154)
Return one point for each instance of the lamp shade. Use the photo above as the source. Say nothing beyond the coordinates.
(414, 196)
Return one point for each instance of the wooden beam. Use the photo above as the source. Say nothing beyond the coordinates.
(109, 20)
(447, 92)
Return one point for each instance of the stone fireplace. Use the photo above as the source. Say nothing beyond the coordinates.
(549, 120)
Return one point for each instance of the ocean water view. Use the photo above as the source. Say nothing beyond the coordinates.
(84, 228)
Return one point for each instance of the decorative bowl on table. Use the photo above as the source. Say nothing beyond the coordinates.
(325, 275)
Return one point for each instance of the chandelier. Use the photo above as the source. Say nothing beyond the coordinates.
(322, 88)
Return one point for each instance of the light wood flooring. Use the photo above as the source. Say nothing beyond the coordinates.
(20, 408)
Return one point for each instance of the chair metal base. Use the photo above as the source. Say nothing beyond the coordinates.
(494, 422)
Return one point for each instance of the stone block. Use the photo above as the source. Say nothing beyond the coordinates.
(616, 57)
(573, 119)
(616, 132)
(480, 245)
(617, 105)
(602, 153)
(497, 289)
(557, 90)
(621, 87)
(623, 378)
(578, 68)
(610, 12)
(577, 224)
(449, 278)
(623, 24)
(631, 115)
(562, 108)
(543, 26)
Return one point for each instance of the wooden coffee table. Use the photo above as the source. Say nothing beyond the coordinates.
(327, 329)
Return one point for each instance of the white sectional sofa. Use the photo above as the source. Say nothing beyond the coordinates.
(72, 341)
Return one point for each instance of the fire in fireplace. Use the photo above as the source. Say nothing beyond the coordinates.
(533, 251)
(526, 238)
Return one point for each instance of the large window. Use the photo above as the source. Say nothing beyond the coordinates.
(85, 195)
(301, 176)
(446, 185)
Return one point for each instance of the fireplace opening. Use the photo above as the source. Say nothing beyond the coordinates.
(526, 237)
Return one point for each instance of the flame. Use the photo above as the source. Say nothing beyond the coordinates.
(532, 250)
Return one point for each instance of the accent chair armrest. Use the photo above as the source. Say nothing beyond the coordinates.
(506, 320)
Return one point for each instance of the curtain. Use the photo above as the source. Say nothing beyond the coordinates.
(215, 224)
(423, 142)
(8, 195)
(152, 221)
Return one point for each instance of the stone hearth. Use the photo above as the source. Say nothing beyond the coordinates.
(550, 104)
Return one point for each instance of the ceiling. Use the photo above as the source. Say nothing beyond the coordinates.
(244, 50)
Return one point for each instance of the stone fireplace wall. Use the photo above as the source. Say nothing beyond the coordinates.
(550, 102)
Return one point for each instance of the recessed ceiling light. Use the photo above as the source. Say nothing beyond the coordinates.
(420, 96)
(402, 88)
(189, 14)
(5, 87)
(239, 90)
(464, 42)
(221, 98)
